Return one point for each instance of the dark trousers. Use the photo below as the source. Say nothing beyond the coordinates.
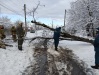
(96, 57)
(56, 42)
(20, 42)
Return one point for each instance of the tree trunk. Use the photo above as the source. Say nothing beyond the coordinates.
(66, 35)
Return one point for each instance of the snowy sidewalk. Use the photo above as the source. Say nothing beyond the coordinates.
(83, 50)
(13, 61)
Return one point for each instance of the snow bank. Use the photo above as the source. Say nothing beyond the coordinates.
(84, 51)
(13, 61)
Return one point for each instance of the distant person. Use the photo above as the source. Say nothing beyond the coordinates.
(2, 33)
(20, 34)
(56, 37)
(96, 49)
(2, 36)
(13, 33)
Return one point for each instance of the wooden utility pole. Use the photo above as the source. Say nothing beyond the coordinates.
(64, 17)
(25, 19)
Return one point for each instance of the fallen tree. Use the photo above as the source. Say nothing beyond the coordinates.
(48, 38)
(65, 35)
(3, 45)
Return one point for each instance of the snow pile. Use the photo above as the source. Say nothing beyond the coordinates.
(14, 61)
(53, 52)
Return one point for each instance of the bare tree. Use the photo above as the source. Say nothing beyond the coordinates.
(6, 22)
(84, 15)
(34, 10)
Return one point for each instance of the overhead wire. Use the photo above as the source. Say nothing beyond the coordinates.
(14, 3)
(9, 9)
(19, 4)
(14, 11)
(5, 6)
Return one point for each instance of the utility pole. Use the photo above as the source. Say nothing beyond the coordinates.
(52, 23)
(25, 19)
(64, 17)
(0, 11)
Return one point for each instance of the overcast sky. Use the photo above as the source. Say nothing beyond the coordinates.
(53, 9)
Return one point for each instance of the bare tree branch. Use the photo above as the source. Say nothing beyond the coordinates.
(34, 10)
(49, 38)
(8, 45)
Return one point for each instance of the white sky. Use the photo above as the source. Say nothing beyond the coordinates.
(53, 10)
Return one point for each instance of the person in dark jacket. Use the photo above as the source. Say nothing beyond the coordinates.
(20, 34)
(96, 49)
(2, 36)
(56, 37)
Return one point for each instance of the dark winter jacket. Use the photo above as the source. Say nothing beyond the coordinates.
(96, 43)
(20, 31)
(57, 33)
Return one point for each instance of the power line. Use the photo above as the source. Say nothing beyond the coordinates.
(19, 6)
(13, 2)
(5, 6)
(11, 10)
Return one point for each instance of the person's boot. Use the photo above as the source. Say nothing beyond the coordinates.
(96, 66)
(56, 49)
(20, 48)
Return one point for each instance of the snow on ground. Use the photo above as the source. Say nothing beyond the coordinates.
(83, 50)
(13, 61)
(40, 33)
(53, 52)
(30, 35)
(36, 34)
